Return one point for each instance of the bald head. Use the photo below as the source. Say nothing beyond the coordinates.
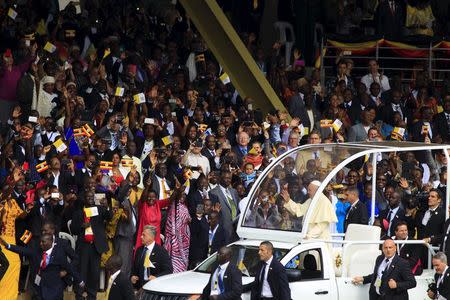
(389, 248)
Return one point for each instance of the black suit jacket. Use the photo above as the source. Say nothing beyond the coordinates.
(219, 240)
(155, 184)
(198, 248)
(159, 258)
(98, 227)
(35, 218)
(277, 279)
(399, 216)
(121, 288)
(390, 24)
(232, 282)
(434, 227)
(356, 215)
(441, 127)
(386, 113)
(399, 271)
(353, 111)
(443, 239)
(51, 284)
(206, 153)
(411, 253)
(4, 264)
(444, 286)
(240, 156)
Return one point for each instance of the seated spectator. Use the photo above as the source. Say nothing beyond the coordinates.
(375, 76)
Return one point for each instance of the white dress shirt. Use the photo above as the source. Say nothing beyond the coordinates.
(383, 266)
(266, 292)
(215, 290)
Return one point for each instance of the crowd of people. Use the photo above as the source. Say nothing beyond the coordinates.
(119, 130)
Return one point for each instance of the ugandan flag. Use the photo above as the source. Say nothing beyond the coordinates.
(88, 130)
(167, 140)
(202, 127)
(78, 132)
(326, 123)
(127, 162)
(26, 237)
(42, 167)
(398, 133)
(106, 165)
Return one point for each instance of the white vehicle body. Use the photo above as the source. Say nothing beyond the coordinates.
(337, 261)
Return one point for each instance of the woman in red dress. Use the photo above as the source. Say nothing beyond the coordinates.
(150, 214)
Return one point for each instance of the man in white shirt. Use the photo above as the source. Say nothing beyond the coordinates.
(194, 158)
(391, 277)
(270, 278)
(226, 281)
(375, 76)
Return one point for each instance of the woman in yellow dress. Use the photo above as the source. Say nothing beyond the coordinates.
(10, 211)
(419, 19)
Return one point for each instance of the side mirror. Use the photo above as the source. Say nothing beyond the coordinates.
(293, 275)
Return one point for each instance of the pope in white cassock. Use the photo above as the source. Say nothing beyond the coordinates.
(321, 218)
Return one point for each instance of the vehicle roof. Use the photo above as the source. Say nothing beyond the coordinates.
(276, 244)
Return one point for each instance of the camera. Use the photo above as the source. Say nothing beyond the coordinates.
(432, 287)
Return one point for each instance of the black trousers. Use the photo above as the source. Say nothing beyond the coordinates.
(89, 269)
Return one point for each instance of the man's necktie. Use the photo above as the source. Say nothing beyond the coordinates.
(220, 281)
(388, 218)
(110, 282)
(44, 261)
(147, 262)
(387, 265)
(261, 276)
(232, 205)
(164, 189)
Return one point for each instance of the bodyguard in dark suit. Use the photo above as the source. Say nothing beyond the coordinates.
(119, 284)
(49, 266)
(226, 281)
(151, 260)
(430, 222)
(441, 289)
(357, 213)
(271, 281)
(391, 277)
(409, 252)
(443, 239)
(89, 225)
(217, 236)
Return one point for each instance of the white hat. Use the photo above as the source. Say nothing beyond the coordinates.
(316, 182)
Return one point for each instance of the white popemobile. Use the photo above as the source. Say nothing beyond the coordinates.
(317, 269)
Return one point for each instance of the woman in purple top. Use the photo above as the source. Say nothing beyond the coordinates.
(9, 77)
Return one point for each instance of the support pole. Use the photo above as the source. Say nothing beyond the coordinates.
(232, 54)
